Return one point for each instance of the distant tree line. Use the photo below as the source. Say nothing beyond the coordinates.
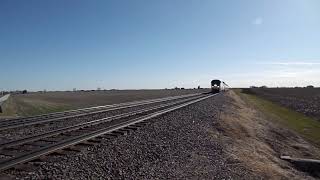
(309, 86)
(81, 90)
(258, 87)
(14, 92)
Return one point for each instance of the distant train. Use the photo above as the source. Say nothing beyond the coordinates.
(218, 86)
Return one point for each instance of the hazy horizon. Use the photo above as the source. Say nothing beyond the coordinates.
(169, 88)
(61, 45)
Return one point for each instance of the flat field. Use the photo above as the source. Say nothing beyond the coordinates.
(303, 100)
(40, 103)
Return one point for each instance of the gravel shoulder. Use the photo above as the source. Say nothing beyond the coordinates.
(184, 144)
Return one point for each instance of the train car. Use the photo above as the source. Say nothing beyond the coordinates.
(218, 86)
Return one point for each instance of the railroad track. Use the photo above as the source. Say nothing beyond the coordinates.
(26, 149)
(20, 122)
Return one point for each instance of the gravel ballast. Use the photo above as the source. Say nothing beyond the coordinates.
(180, 144)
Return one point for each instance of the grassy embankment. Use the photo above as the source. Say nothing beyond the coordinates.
(14, 107)
(305, 126)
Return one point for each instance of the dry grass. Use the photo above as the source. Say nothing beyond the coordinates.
(258, 143)
(308, 127)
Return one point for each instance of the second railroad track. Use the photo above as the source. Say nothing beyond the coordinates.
(25, 149)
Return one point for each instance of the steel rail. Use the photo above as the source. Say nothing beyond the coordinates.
(78, 139)
(96, 107)
(19, 124)
(86, 124)
(49, 115)
(37, 121)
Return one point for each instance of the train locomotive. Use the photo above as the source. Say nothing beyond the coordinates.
(218, 86)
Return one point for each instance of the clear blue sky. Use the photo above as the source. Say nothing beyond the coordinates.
(125, 44)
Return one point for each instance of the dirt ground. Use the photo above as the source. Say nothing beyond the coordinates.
(258, 142)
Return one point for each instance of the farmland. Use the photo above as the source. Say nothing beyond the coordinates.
(303, 100)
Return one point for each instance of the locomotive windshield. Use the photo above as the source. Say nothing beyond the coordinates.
(215, 82)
